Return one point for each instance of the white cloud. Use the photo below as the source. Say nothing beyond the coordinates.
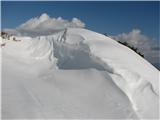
(45, 25)
(145, 45)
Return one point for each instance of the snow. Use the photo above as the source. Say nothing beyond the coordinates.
(76, 74)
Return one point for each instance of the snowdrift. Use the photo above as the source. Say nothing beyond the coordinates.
(76, 73)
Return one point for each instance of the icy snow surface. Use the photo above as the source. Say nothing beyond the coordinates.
(76, 74)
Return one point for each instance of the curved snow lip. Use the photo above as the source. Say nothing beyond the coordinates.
(134, 82)
(74, 57)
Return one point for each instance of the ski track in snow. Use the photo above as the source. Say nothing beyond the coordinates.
(71, 69)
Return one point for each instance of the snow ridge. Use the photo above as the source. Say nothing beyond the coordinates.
(77, 50)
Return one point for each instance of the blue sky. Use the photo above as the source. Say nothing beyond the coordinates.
(104, 17)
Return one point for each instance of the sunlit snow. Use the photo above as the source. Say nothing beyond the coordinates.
(75, 73)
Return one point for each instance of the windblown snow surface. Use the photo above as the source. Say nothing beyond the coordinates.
(81, 74)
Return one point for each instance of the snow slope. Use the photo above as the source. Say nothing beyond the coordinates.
(76, 74)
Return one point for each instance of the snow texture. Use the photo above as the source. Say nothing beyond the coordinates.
(76, 73)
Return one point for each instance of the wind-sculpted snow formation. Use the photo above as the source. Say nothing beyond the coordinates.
(76, 73)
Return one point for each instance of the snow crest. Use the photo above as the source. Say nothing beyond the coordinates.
(80, 66)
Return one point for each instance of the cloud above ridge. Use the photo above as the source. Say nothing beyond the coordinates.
(145, 45)
(45, 25)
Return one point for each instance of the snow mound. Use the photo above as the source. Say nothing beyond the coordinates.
(76, 73)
